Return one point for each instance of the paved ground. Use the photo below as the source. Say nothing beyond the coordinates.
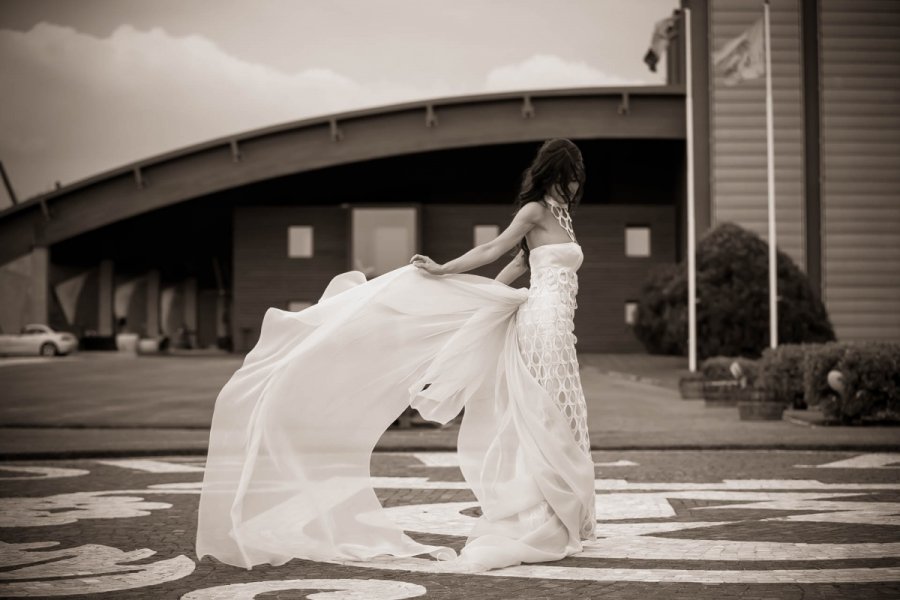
(672, 524)
(102, 404)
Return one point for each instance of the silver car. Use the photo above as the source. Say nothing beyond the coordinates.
(37, 339)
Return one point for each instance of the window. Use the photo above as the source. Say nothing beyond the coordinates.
(383, 239)
(300, 241)
(485, 233)
(298, 305)
(637, 240)
(631, 308)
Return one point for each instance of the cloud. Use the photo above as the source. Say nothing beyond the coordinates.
(544, 71)
(73, 105)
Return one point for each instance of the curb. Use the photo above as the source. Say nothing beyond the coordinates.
(90, 454)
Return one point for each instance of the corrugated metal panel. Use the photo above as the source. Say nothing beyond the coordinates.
(738, 127)
(860, 95)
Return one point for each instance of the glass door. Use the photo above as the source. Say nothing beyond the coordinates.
(382, 238)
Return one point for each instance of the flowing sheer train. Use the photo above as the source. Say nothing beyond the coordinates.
(287, 474)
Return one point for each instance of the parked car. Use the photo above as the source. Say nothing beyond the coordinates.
(39, 340)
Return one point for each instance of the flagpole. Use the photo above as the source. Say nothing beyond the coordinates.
(770, 160)
(691, 213)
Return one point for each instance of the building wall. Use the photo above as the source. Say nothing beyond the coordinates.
(263, 273)
(264, 276)
(738, 127)
(859, 58)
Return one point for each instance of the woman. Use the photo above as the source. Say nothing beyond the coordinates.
(287, 473)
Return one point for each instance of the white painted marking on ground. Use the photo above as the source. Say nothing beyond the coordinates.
(152, 466)
(345, 589)
(878, 460)
(785, 576)
(62, 509)
(87, 569)
(39, 473)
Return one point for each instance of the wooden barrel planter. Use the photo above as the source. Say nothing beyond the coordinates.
(726, 392)
(759, 408)
(691, 387)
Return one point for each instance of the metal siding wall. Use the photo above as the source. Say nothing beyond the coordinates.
(265, 276)
(860, 80)
(738, 127)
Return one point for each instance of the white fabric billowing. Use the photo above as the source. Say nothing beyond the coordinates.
(287, 472)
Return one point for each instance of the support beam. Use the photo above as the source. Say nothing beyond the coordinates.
(527, 108)
(106, 318)
(430, 117)
(336, 133)
(809, 28)
(8, 185)
(38, 308)
(190, 309)
(153, 303)
(700, 89)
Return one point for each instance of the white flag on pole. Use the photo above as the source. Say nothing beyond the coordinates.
(742, 57)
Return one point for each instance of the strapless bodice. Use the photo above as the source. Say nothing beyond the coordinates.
(564, 254)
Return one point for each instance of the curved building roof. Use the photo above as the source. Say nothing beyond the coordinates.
(331, 140)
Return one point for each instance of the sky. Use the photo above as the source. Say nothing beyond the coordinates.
(91, 85)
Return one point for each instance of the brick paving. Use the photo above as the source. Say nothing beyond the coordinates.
(672, 524)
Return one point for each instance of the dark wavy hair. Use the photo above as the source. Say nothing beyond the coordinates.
(558, 162)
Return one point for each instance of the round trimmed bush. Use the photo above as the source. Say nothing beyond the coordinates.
(733, 300)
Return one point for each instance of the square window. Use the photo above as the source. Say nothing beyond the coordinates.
(485, 233)
(382, 238)
(298, 305)
(300, 241)
(637, 240)
(631, 308)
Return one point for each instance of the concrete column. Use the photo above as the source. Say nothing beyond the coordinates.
(190, 309)
(221, 307)
(38, 308)
(106, 319)
(153, 303)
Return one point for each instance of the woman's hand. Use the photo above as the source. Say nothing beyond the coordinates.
(426, 264)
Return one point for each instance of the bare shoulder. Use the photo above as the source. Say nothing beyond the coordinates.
(532, 212)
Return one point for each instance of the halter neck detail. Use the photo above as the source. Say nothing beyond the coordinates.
(561, 213)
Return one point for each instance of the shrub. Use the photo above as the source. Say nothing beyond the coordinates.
(781, 374)
(719, 367)
(733, 300)
(818, 361)
(871, 382)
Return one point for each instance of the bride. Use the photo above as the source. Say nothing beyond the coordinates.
(287, 473)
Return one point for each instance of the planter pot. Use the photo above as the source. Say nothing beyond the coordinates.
(691, 388)
(726, 392)
(760, 411)
(148, 346)
(127, 343)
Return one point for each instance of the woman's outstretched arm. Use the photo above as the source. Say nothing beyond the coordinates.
(486, 253)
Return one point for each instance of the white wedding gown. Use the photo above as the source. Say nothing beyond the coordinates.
(287, 474)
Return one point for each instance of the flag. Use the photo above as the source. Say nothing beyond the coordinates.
(663, 32)
(743, 57)
(68, 293)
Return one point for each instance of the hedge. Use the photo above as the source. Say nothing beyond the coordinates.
(781, 374)
(719, 367)
(871, 383)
